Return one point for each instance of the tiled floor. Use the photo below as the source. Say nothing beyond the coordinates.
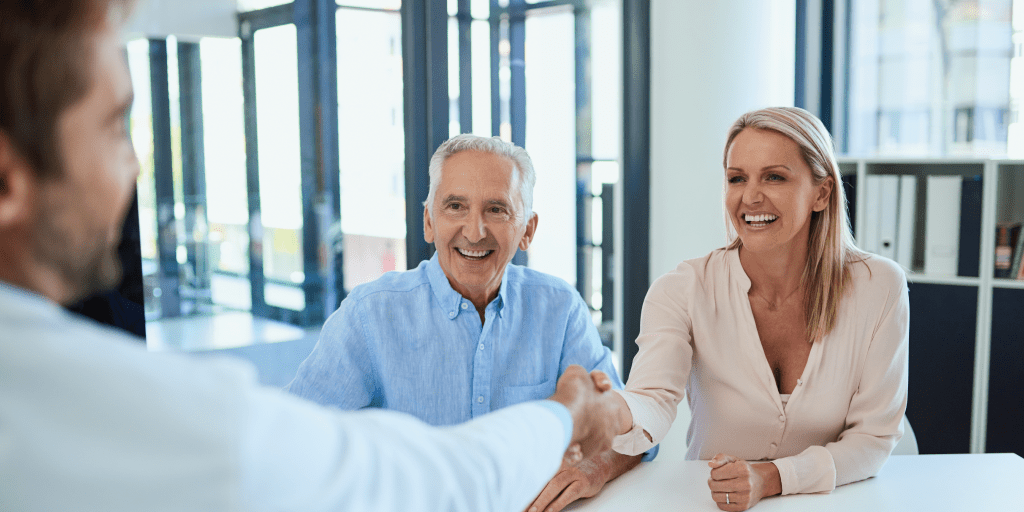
(275, 348)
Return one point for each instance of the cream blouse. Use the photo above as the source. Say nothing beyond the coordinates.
(698, 336)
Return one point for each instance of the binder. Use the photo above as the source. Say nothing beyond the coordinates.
(872, 198)
(942, 225)
(888, 206)
(907, 221)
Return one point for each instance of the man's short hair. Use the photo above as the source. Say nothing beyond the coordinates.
(45, 59)
(494, 145)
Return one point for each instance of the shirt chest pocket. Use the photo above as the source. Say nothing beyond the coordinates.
(512, 395)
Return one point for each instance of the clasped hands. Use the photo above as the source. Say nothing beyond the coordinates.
(593, 412)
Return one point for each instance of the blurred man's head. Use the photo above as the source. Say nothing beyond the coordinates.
(67, 167)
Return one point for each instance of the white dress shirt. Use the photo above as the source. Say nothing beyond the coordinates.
(90, 421)
(698, 337)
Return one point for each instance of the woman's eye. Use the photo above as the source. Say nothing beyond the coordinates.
(775, 177)
(735, 179)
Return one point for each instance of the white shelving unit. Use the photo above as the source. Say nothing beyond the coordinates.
(1002, 201)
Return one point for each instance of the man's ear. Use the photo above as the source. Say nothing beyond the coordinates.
(16, 183)
(531, 229)
(428, 227)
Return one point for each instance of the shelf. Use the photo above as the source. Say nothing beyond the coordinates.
(1008, 283)
(952, 280)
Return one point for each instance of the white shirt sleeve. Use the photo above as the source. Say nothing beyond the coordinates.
(297, 456)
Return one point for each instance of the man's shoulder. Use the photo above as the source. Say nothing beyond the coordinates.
(391, 284)
(535, 280)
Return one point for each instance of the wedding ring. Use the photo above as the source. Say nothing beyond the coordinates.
(726, 498)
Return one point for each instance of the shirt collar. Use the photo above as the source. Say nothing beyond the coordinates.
(450, 300)
(18, 301)
(736, 269)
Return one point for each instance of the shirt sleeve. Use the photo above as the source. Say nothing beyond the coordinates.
(340, 371)
(296, 456)
(662, 365)
(874, 423)
(582, 344)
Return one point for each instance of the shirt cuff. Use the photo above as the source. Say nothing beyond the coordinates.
(811, 471)
(563, 415)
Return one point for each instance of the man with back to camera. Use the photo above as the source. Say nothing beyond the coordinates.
(89, 421)
(466, 332)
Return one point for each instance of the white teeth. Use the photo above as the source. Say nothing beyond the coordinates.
(766, 217)
(473, 254)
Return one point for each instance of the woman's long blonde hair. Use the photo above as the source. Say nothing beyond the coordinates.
(830, 247)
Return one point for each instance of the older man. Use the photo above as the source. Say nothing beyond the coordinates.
(466, 332)
(90, 421)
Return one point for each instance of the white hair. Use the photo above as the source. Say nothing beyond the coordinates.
(494, 145)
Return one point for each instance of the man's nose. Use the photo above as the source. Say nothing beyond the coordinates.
(474, 229)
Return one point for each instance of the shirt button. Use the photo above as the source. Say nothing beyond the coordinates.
(451, 315)
(480, 399)
(464, 305)
(481, 346)
(782, 417)
(799, 382)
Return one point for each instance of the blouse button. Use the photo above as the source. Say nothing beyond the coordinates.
(782, 417)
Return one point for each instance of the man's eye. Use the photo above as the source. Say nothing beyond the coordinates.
(454, 206)
(497, 209)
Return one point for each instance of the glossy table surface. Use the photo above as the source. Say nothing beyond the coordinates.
(905, 483)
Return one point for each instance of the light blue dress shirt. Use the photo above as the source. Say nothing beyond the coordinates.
(409, 342)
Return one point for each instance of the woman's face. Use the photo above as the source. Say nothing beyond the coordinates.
(770, 192)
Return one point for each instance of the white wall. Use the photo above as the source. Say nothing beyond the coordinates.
(710, 62)
(186, 19)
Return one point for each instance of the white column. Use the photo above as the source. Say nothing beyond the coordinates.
(710, 62)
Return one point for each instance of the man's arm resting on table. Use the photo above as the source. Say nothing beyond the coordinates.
(584, 480)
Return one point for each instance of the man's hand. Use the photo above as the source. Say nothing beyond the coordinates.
(583, 480)
(593, 412)
(738, 485)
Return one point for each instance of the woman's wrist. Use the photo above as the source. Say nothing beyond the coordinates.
(770, 477)
(624, 418)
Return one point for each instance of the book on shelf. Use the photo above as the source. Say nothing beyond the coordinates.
(1007, 234)
(969, 257)
(942, 225)
(1016, 272)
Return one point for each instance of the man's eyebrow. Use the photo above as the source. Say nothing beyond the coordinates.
(452, 198)
(121, 111)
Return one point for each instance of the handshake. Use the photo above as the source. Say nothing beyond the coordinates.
(593, 408)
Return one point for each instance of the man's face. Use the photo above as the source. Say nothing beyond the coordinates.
(80, 213)
(478, 222)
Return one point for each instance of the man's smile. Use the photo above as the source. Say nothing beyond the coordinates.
(474, 255)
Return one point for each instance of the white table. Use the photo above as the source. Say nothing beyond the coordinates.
(906, 483)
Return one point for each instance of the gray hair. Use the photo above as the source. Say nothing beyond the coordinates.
(495, 146)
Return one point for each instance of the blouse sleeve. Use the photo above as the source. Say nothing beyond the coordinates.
(874, 423)
(661, 368)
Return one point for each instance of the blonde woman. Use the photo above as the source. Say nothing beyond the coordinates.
(790, 343)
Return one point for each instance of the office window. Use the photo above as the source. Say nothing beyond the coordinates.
(371, 142)
(932, 78)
